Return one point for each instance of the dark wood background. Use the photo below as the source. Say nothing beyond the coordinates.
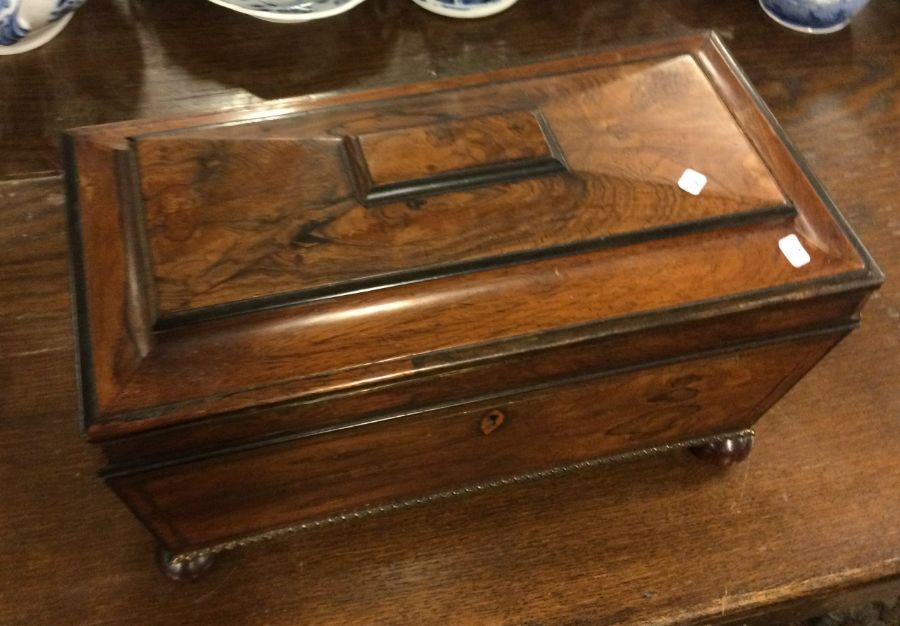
(809, 522)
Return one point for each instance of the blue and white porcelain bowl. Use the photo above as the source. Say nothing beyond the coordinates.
(288, 11)
(813, 16)
(465, 8)
(27, 24)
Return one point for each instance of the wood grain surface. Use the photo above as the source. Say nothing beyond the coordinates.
(810, 517)
(520, 369)
(208, 502)
(403, 155)
(220, 232)
(625, 250)
(620, 239)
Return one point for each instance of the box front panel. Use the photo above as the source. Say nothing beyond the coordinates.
(225, 498)
(573, 352)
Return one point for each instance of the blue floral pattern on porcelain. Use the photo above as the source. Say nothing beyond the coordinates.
(289, 6)
(64, 7)
(289, 11)
(813, 16)
(13, 30)
(465, 8)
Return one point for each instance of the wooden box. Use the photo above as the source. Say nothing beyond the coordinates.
(338, 305)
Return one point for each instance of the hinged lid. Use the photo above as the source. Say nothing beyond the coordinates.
(253, 257)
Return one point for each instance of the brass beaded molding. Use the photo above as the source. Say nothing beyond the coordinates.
(452, 493)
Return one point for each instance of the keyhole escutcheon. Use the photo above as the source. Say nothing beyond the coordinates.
(492, 421)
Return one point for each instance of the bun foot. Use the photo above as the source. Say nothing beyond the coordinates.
(184, 569)
(727, 451)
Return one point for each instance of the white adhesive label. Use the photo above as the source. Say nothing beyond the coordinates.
(692, 181)
(793, 250)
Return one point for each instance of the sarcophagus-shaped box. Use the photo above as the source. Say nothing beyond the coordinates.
(339, 305)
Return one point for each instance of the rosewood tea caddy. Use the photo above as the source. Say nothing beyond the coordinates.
(338, 305)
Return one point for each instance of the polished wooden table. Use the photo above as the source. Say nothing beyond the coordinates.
(809, 522)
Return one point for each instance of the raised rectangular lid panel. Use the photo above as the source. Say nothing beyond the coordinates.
(408, 163)
(387, 190)
(250, 258)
